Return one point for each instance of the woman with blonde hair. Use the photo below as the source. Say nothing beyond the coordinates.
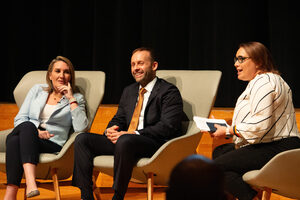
(42, 125)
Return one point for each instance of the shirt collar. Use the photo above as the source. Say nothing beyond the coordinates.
(150, 85)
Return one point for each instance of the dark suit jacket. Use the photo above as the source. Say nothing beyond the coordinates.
(163, 113)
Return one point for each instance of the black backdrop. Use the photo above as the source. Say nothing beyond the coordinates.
(186, 34)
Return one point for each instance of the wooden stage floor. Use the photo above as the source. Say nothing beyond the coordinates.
(135, 191)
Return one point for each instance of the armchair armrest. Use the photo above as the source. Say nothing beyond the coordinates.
(3, 135)
(191, 137)
(53, 157)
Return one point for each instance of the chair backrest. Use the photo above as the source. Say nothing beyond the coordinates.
(198, 89)
(83, 79)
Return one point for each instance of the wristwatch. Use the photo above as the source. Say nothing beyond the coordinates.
(227, 133)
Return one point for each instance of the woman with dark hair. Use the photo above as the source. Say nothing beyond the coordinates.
(196, 177)
(263, 123)
(42, 125)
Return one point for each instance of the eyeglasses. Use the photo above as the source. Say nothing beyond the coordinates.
(240, 59)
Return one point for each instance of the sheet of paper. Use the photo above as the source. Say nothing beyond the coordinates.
(205, 124)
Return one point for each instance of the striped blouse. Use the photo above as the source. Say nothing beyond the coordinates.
(264, 112)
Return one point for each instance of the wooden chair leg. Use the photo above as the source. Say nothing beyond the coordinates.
(96, 189)
(150, 186)
(25, 197)
(55, 183)
(267, 194)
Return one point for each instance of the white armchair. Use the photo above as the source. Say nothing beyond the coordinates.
(280, 175)
(58, 166)
(198, 89)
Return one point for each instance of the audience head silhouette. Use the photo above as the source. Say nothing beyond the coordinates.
(196, 177)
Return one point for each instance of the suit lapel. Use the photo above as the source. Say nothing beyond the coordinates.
(154, 92)
(134, 93)
(63, 102)
(41, 101)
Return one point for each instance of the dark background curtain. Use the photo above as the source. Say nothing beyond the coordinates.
(186, 34)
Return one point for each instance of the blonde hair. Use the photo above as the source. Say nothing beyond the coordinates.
(50, 69)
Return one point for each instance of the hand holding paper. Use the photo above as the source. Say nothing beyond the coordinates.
(205, 124)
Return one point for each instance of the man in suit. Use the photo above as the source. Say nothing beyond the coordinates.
(159, 121)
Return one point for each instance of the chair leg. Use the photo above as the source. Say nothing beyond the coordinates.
(96, 189)
(150, 176)
(267, 194)
(25, 197)
(55, 183)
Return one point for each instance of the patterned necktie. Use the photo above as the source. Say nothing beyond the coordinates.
(136, 114)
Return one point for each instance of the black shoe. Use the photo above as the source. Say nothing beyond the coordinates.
(87, 194)
(117, 196)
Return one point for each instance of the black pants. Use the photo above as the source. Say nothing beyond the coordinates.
(236, 162)
(24, 146)
(127, 151)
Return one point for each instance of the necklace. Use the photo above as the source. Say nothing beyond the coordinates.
(56, 98)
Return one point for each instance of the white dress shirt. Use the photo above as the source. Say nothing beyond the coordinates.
(46, 113)
(149, 88)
